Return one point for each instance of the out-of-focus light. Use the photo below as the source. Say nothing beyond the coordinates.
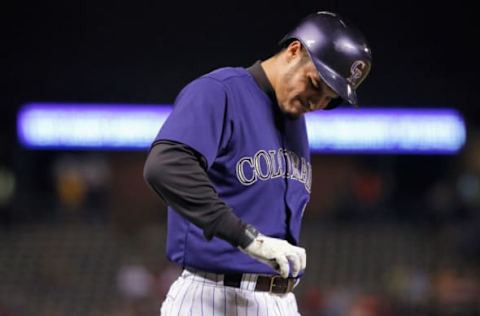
(101, 126)
(89, 126)
(412, 131)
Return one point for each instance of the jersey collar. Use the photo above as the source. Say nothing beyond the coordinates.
(260, 77)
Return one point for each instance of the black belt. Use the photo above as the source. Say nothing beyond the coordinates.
(273, 284)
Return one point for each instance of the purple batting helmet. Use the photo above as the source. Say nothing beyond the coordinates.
(338, 50)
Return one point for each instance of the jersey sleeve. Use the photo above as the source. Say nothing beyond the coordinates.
(198, 119)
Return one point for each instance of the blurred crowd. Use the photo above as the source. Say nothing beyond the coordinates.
(447, 292)
(438, 195)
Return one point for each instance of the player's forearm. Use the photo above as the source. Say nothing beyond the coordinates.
(176, 174)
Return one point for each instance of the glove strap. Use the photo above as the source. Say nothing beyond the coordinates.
(249, 234)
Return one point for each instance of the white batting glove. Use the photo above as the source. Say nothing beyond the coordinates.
(278, 253)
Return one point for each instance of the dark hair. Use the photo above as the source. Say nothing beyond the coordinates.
(286, 43)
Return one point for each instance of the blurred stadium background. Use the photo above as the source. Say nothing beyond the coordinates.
(387, 234)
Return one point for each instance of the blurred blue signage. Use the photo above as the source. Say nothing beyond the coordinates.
(133, 127)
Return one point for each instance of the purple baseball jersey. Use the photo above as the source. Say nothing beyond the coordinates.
(258, 161)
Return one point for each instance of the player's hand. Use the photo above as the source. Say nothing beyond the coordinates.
(278, 254)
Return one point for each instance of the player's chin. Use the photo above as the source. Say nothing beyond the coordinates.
(294, 108)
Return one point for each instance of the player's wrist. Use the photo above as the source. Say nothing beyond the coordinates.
(248, 236)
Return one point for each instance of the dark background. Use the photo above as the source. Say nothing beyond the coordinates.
(145, 51)
(412, 218)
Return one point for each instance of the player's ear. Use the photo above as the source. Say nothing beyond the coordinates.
(294, 50)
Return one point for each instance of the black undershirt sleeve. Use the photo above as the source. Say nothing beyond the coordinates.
(178, 175)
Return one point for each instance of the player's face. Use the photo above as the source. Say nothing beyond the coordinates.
(301, 88)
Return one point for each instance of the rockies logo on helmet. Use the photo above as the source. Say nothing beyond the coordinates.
(358, 71)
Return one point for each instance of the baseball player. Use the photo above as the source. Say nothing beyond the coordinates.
(232, 161)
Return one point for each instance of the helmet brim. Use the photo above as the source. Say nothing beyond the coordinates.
(336, 82)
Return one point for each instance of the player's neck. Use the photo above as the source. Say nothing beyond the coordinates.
(270, 68)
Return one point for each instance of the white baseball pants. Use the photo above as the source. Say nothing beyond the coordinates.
(194, 294)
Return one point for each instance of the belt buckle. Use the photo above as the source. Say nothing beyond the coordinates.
(272, 283)
(288, 289)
